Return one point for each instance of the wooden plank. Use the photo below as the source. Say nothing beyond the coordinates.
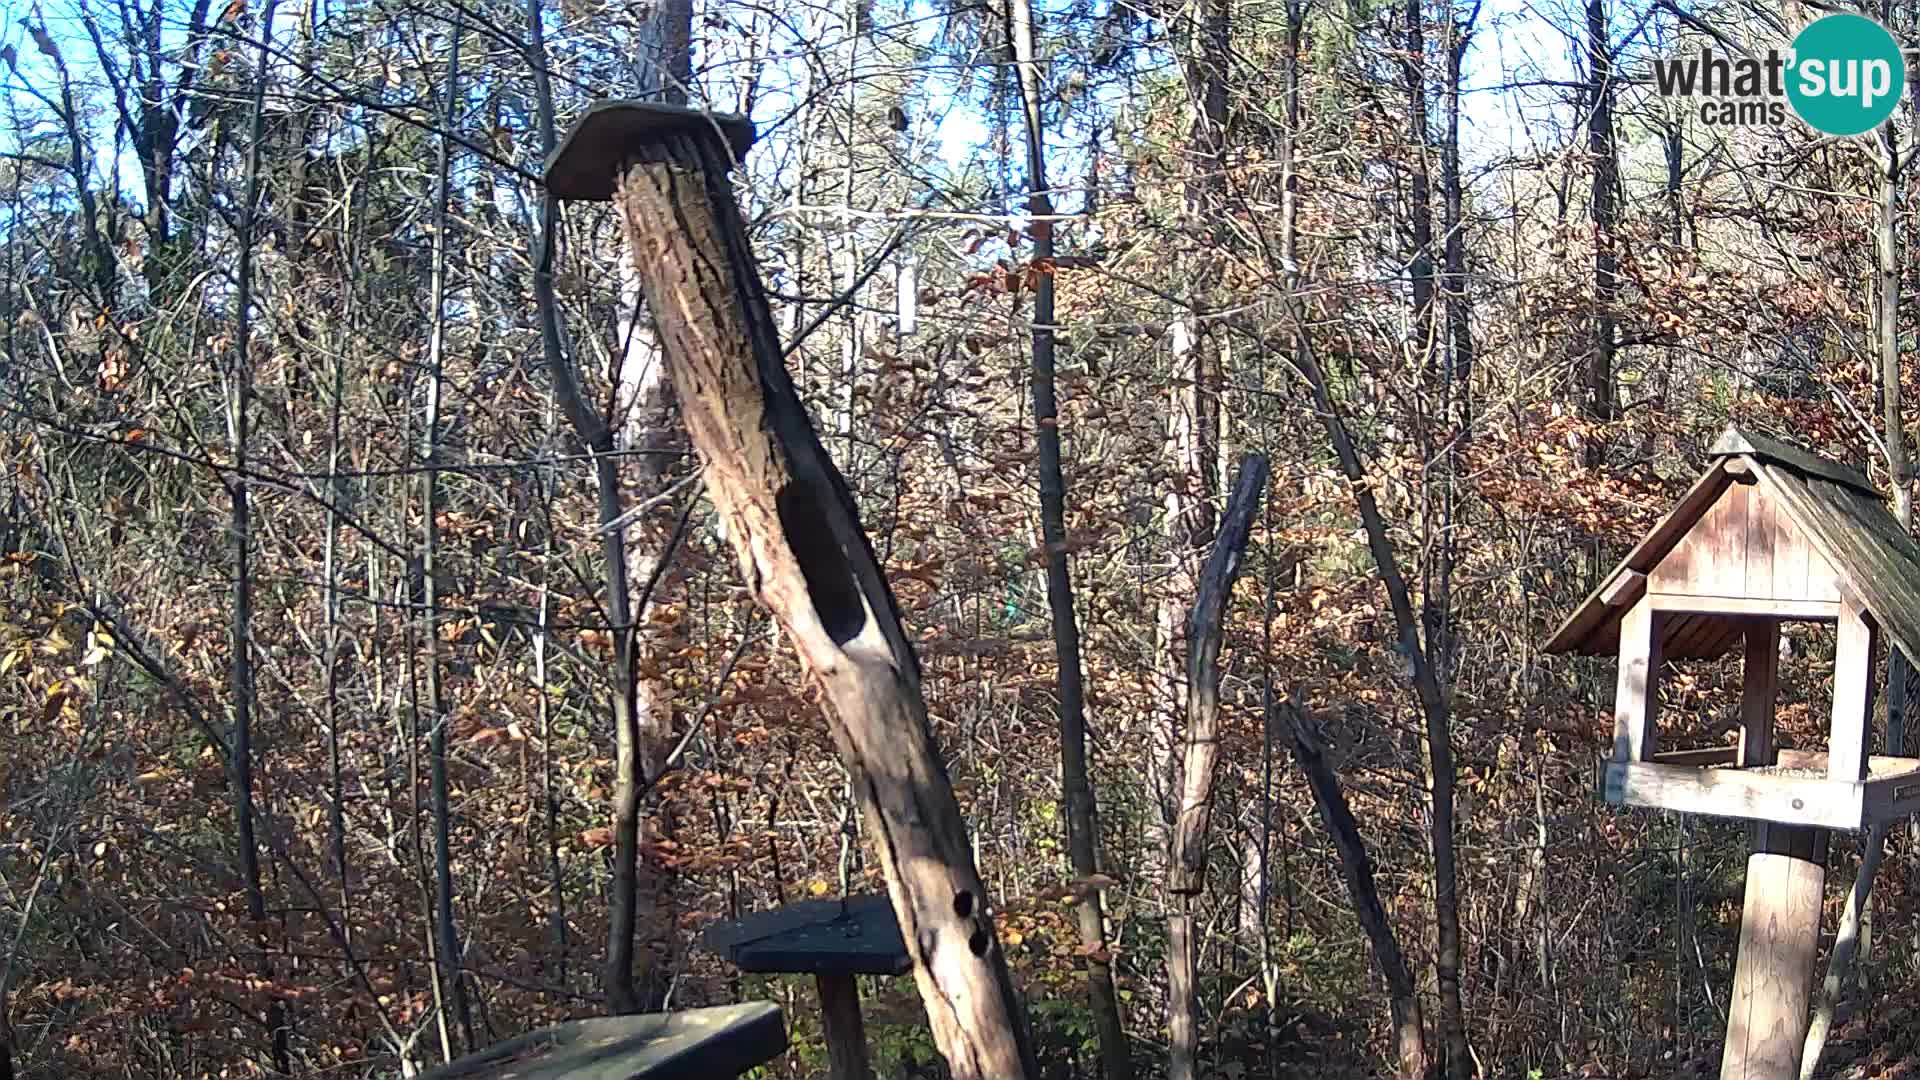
(1728, 569)
(846, 1034)
(1675, 632)
(1624, 589)
(1699, 759)
(1726, 634)
(1764, 536)
(722, 1041)
(1773, 977)
(1823, 581)
(1790, 554)
(1871, 552)
(1734, 442)
(1891, 795)
(1852, 687)
(1807, 610)
(854, 935)
(1738, 793)
(1879, 766)
(1759, 690)
(1636, 698)
(585, 162)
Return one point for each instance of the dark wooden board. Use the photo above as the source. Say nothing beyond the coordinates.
(857, 936)
(709, 1044)
(605, 136)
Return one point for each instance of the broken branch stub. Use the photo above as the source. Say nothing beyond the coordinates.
(793, 526)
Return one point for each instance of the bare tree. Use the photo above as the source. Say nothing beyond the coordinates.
(1081, 819)
(240, 392)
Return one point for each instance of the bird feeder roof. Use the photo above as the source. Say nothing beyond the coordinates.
(1734, 548)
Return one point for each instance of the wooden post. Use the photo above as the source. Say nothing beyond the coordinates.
(793, 526)
(1759, 686)
(1852, 693)
(1779, 932)
(1636, 697)
(840, 1020)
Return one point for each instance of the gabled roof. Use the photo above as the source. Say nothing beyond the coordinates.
(1837, 510)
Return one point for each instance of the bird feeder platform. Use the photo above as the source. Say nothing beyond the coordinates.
(832, 940)
(723, 1041)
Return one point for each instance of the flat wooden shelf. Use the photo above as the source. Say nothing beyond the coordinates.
(722, 1041)
(1794, 791)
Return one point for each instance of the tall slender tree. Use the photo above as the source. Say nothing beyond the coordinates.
(1082, 830)
(240, 393)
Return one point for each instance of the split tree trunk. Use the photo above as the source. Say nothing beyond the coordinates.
(793, 525)
(1200, 752)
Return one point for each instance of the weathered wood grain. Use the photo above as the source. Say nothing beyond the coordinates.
(723, 1041)
(1636, 698)
(796, 532)
(1779, 932)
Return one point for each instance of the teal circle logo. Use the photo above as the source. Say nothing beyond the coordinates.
(1847, 74)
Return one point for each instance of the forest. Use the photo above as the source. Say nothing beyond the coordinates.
(1236, 396)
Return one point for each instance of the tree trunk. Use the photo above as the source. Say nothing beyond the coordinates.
(240, 390)
(1606, 186)
(1433, 707)
(791, 521)
(446, 935)
(547, 309)
(1420, 199)
(1854, 937)
(1409, 1030)
(639, 703)
(1187, 859)
(1082, 832)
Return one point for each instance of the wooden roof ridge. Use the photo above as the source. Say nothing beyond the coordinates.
(1733, 442)
(1839, 511)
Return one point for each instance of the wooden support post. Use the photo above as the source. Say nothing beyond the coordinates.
(803, 553)
(1636, 697)
(1779, 933)
(1759, 687)
(840, 1020)
(1852, 693)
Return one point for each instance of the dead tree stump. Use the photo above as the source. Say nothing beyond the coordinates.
(794, 527)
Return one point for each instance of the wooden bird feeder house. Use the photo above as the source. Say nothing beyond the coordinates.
(1769, 534)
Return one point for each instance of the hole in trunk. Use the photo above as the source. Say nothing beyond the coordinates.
(830, 585)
